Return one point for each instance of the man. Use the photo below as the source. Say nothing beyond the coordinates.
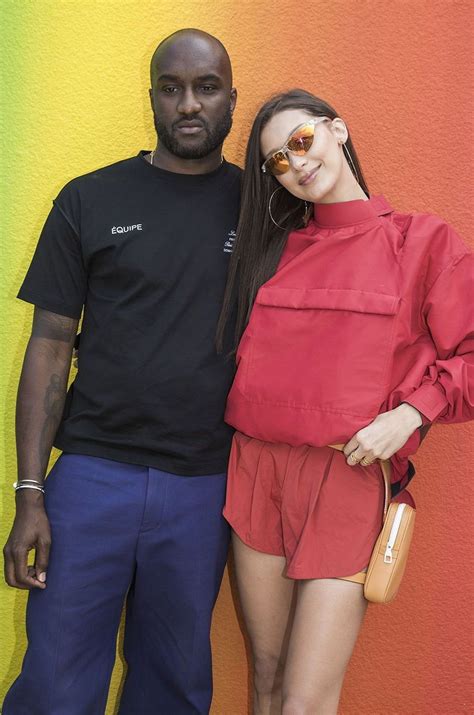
(133, 505)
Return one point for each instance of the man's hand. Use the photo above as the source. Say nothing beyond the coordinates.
(30, 531)
(384, 436)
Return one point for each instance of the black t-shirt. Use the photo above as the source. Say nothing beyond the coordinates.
(145, 252)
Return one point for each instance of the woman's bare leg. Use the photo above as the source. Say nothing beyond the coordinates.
(266, 597)
(327, 620)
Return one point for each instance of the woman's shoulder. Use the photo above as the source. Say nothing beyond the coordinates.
(429, 234)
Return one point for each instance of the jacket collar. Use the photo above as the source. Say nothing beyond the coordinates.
(347, 213)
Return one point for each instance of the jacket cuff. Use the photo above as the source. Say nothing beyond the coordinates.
(429, 400)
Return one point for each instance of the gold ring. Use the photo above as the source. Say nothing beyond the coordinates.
(353, 459)
(365, 462)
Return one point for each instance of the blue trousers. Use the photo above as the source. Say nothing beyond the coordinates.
(121, 531)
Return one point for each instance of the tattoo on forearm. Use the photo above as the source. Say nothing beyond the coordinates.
(53, 406)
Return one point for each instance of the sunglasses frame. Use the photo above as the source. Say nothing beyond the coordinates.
(284, 149)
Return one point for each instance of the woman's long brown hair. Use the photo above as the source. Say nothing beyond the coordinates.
(259, 243)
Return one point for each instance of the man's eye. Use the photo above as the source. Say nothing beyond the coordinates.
(169, 90)
(208, 88)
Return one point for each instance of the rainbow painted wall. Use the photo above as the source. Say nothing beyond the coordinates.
(74, 97)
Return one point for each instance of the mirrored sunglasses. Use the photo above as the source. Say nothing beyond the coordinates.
(299, 142)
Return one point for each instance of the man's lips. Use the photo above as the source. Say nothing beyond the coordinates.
(308, 178)
(189, 127)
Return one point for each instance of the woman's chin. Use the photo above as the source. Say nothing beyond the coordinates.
(320, 196)
(320, 192)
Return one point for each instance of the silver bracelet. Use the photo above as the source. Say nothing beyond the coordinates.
(36, 486)
(35, 481)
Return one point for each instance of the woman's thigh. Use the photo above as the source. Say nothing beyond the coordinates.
(327, 620)
(266, 596)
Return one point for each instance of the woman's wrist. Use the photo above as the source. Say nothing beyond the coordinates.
(411, 415)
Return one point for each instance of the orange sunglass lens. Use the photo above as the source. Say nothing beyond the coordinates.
(300, 142)
(278, 163)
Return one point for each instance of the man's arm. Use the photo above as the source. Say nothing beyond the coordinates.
(40, 404)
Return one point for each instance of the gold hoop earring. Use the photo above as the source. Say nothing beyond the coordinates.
(306, 208)
(351, 163)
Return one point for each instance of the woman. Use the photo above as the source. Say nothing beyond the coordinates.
(353, 325)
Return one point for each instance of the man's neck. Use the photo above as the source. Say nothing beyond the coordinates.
(163, 159)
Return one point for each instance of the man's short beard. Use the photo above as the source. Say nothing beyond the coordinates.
(213, 138)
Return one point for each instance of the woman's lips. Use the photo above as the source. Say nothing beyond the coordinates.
(308, 178)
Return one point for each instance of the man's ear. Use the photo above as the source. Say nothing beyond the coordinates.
(150, 94)
(339, 130)
(233, 99)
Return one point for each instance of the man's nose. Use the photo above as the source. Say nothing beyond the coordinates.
(189, 103)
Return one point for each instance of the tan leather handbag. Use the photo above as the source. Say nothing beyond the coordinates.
(390, 554)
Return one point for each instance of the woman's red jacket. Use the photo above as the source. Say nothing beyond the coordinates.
(368, 308)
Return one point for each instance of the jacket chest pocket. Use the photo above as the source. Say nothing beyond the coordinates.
(325, 349)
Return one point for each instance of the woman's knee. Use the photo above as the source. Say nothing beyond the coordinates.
(294, 705)
(267, 673)
(322, 703)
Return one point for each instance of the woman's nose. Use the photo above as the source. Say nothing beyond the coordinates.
(297, 163)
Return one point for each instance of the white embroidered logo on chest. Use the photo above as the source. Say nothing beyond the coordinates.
(229, 243)
(126, 229)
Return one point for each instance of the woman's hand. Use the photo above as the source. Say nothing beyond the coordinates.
(384, 436)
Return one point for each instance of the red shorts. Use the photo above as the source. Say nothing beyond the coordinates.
(306, 504)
